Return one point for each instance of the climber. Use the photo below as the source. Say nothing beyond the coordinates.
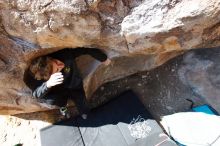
(58, 78)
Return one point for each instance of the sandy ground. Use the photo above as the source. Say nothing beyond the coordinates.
(15, 130)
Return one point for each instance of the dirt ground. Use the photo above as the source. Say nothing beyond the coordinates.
(194, 75)
(20, 131)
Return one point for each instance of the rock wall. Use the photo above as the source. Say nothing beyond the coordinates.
(137, 35)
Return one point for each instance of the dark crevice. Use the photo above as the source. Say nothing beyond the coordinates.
(212, 28)
(3, 59)
(46, 5)
(172, 3)
(25, 45)
(87, 3)
(2, 28)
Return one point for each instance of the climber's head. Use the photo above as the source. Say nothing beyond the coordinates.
(43, 67)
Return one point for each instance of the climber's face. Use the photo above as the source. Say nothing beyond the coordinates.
(57, 65)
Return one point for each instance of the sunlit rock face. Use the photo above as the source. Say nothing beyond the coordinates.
(136, 35)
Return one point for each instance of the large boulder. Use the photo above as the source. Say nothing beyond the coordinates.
(137, 35)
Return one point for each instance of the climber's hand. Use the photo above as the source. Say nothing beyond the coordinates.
(55, 79)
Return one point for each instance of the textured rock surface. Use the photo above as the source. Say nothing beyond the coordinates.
(137, 35)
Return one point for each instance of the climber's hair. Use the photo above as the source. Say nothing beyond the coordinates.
(41, 68)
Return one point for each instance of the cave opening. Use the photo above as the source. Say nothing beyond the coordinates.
(164, 90)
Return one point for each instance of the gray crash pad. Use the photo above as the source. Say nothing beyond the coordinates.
(121, 122)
